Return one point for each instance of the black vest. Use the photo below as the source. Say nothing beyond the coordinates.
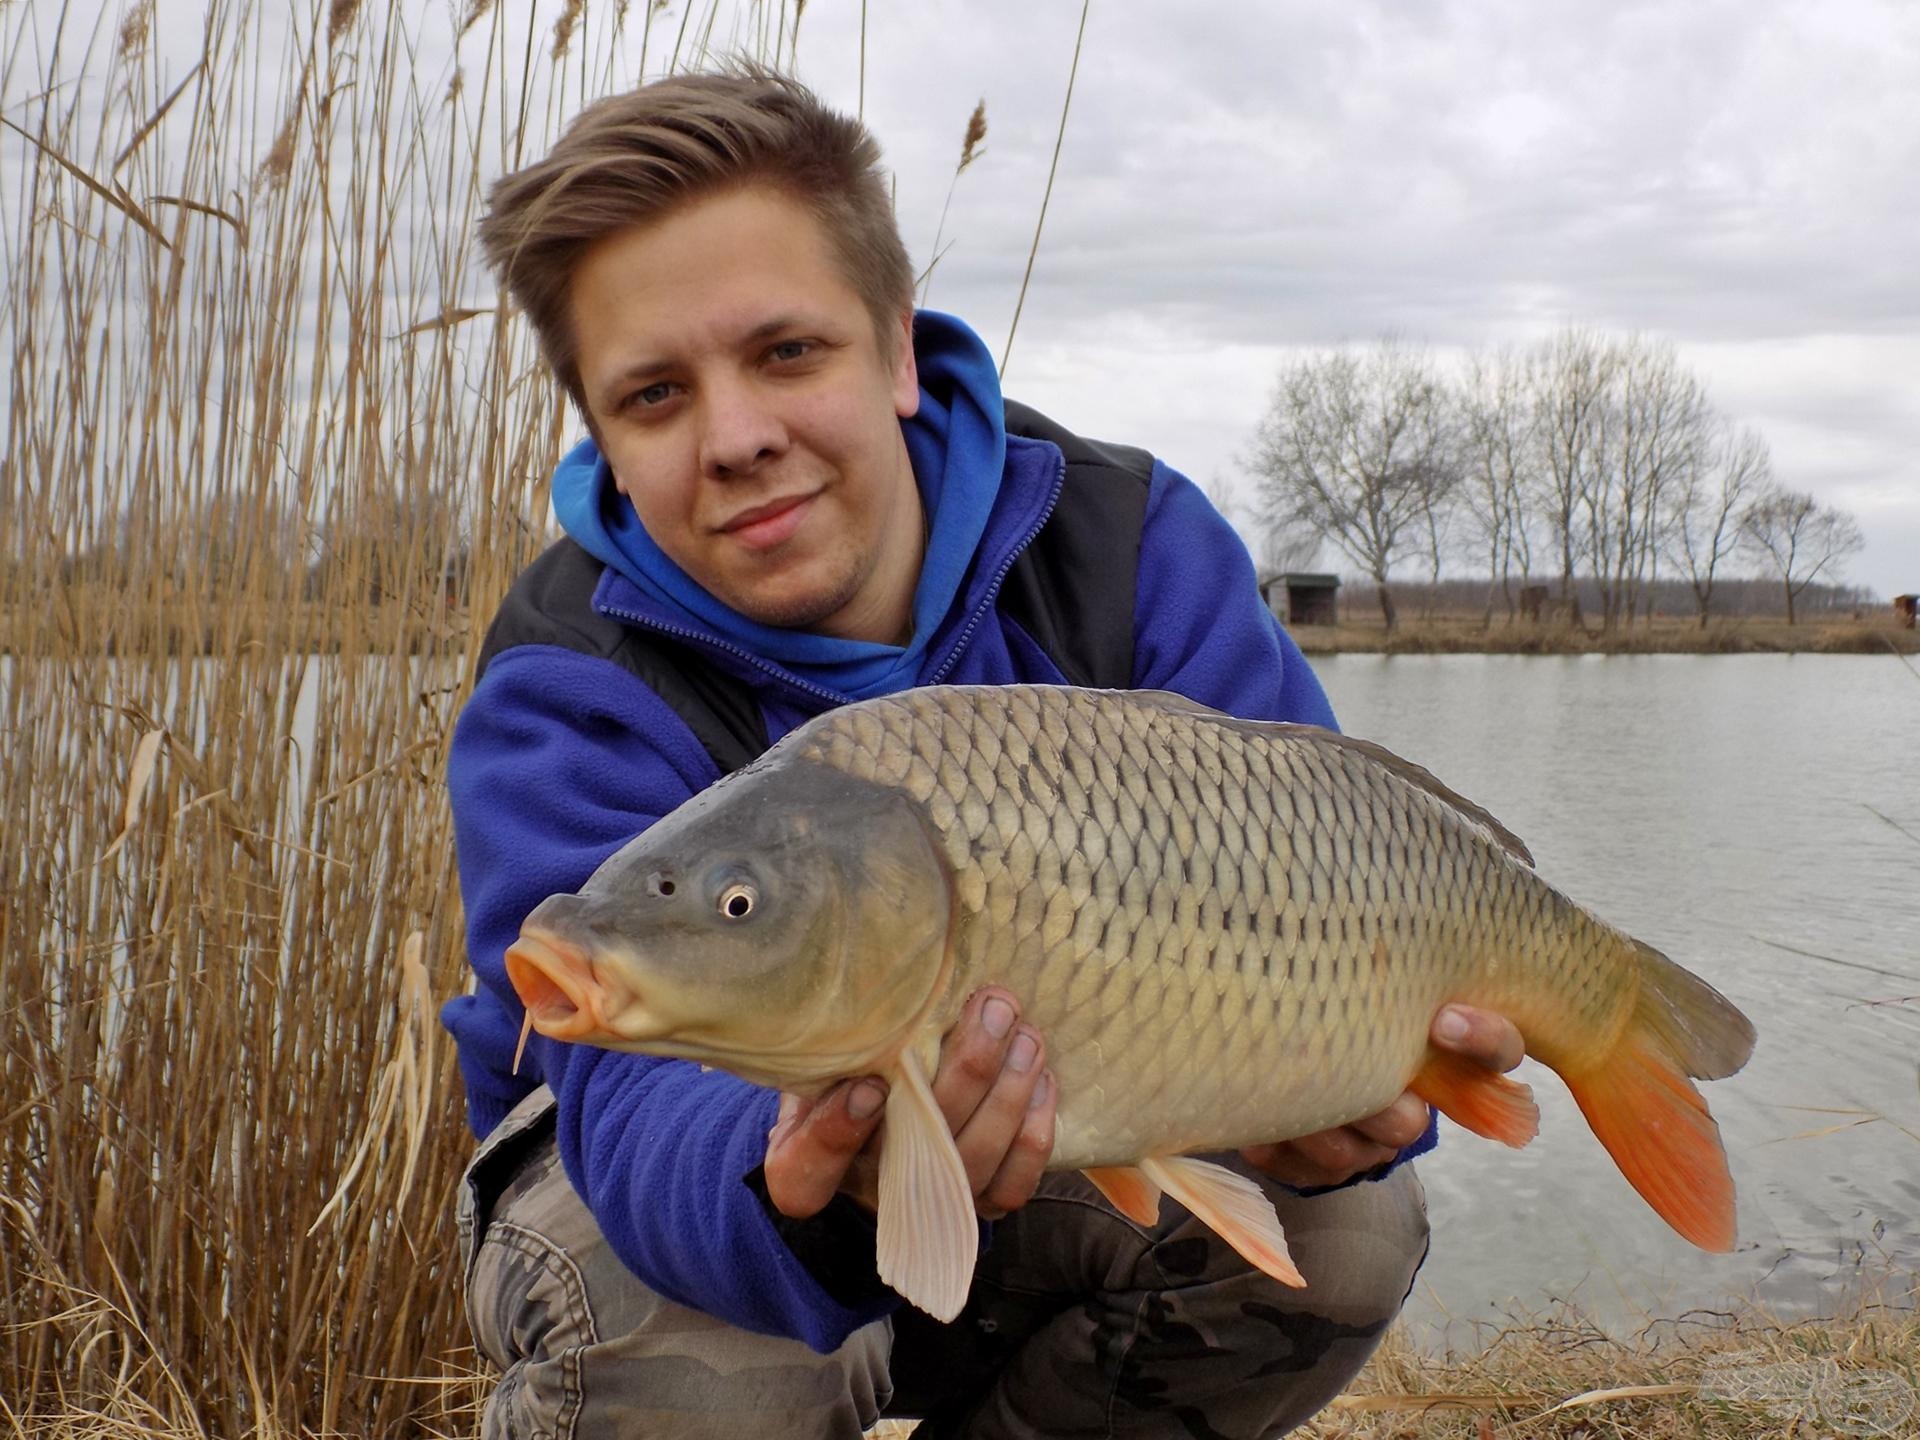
(1072, 590)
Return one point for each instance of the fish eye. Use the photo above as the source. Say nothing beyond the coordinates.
(658, 884)
(737, 901)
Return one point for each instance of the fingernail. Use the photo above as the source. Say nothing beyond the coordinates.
(865, 1100)
(997, 1016)
(1021, 1053)
(1451, 1026)
(1042, 1088)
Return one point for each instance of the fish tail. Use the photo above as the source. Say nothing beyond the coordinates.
(1645, 1110)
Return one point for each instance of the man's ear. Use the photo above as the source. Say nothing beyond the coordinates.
(906, 371)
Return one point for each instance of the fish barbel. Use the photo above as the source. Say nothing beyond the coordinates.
(1231, 932)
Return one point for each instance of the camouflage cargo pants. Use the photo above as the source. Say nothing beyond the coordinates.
(1081, 1323)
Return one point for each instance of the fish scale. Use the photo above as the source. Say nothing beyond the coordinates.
(1146, 956)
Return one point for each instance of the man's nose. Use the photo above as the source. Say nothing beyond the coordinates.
(739, 431)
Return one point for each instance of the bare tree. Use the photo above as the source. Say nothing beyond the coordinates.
(1571, 379)
(1801, 536)
(1704, 527)
(1666, 433)
(1498, 453)
(207, 543)
(1222, 496)
(389, 543)
(1438, 508)
(1646, 431)
(1285, 549)
(1355, 447)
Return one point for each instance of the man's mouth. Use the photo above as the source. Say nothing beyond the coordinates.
(764, 526)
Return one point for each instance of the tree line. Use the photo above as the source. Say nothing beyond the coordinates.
(1593, 463)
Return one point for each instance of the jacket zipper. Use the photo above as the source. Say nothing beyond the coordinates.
(712, 642)
(1000, 575)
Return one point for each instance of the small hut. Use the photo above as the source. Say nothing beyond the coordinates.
(1905, 607)
(1302, 598)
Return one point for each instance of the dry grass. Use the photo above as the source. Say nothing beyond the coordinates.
(261, 410)
(1725, 1374)
(1442, 634)
(1710, 1376)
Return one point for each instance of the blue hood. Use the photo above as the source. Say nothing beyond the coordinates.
(957, 444)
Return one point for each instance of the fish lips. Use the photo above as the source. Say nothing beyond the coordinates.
(567, 995)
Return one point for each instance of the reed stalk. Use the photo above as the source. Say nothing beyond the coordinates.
(272, 451)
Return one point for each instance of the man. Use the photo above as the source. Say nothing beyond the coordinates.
(797, 493)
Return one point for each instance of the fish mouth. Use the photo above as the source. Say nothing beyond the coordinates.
(566, 998)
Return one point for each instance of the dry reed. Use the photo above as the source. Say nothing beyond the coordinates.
(269, 451)
(970, 150)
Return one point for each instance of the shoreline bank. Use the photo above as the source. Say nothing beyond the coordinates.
(1469, 635)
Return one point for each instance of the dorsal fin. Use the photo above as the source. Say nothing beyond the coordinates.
(1417, 776)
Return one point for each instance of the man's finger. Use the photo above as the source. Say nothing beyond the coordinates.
(1026, 1159)
(997, 1122)
(1491, 1039)
(972, 1054)
(811, 1148)
(1341, 1153)
(1397, 1126)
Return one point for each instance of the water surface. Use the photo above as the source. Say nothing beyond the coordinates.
(1722, 808)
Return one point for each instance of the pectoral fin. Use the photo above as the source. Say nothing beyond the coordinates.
(928, 1237)
(1232, 1206)
(1128, 1191)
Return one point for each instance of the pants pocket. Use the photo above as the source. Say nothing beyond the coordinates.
(501, 1160)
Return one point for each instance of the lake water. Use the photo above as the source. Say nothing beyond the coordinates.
(1721, 808)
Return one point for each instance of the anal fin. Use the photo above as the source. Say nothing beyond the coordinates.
(1234, 1207)
(1128, 1190)
(1485, 1102)
(928, 1237)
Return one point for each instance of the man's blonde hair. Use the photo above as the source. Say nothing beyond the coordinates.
(633, 159)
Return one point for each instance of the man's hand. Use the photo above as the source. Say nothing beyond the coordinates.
(1335, 1156)
(992, 1085)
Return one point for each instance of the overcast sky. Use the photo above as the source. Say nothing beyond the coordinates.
(1244, 178)
(1239, 179)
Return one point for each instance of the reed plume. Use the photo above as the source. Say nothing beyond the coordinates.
(971, 141)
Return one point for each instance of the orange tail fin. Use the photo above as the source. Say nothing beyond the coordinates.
(1648, 1114)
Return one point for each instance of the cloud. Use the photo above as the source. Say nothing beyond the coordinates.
(1240, 180)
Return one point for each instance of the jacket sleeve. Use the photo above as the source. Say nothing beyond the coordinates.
(557, 761)
(1202, 630)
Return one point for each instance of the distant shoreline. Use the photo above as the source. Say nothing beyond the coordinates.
(1468, 635)
(402, 629)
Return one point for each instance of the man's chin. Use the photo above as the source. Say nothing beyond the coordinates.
(808, 609)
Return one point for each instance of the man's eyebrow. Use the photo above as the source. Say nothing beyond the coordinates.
(767, 329)
(610, 391)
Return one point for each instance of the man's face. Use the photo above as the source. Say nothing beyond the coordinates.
(749, 414)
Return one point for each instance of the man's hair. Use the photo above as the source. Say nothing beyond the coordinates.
(634, 159)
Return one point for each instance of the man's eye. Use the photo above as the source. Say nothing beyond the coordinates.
(789, 350)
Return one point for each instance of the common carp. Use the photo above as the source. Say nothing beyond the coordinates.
(1230, 932)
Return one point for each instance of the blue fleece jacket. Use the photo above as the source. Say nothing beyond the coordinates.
(560, 758)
